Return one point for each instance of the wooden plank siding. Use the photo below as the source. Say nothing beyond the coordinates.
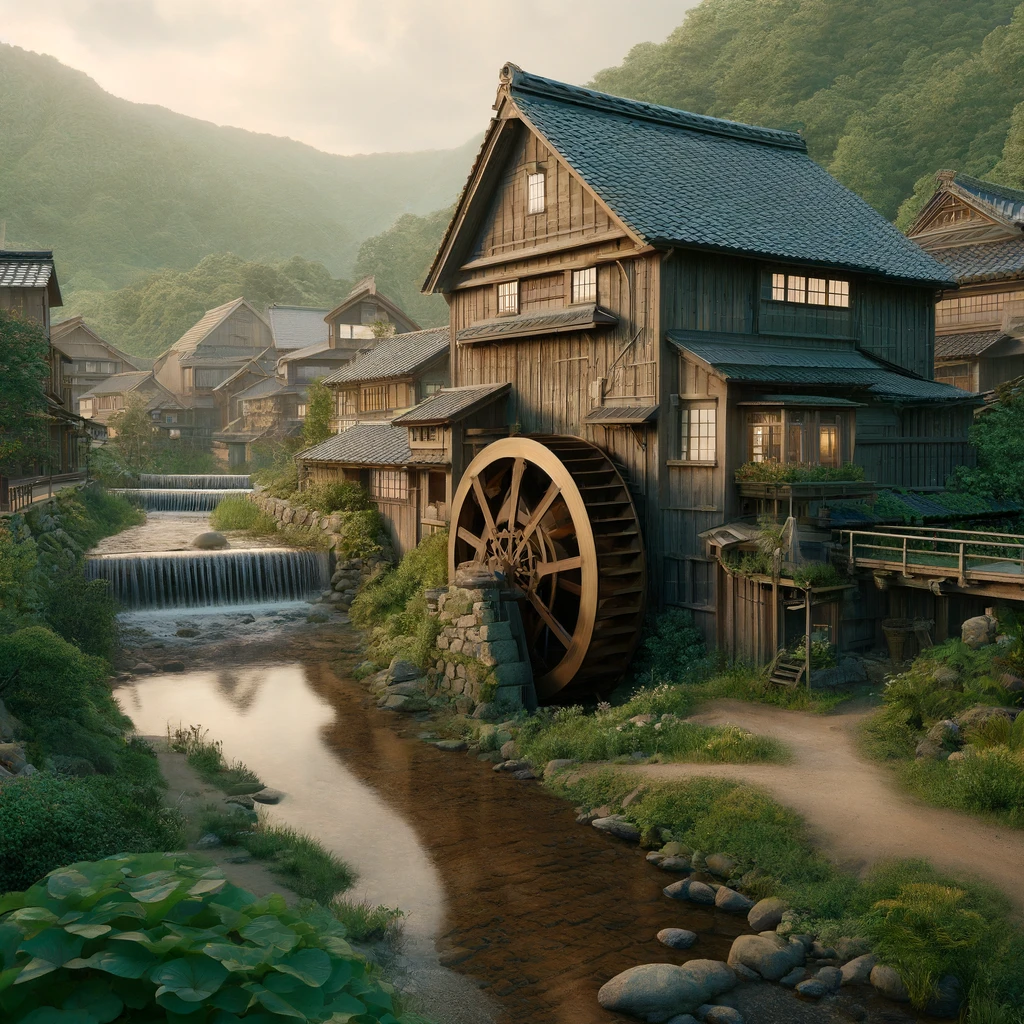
(894, 324)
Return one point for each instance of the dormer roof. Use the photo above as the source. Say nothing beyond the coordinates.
(676, 179)
(366, 288)
(30, 268)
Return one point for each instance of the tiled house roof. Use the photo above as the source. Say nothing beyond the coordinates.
(121, 383)
(375, 443)
(985, 261)
(735, 358)
(959, 346)
(397, 356)
(30, 269)
(575, 318)
(1008, 202)
(679, 179)
(296, 326)
(211, 319)
(450, 404)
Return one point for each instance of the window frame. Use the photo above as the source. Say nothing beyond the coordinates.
(389, 485)
(806, 422)
(796, 290)
(577, 285)
(506, 289)
(377, 392)
(536, 200)
(684, 435)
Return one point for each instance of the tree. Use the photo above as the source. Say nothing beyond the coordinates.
(319, 411)
(383, 329)
(999, 438)
(24, 372)
(133, 445)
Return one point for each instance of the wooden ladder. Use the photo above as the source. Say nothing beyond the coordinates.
(786, 670)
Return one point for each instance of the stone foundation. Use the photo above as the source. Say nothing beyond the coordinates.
(480, 650)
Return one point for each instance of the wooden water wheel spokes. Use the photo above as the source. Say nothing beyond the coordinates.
(553, 515)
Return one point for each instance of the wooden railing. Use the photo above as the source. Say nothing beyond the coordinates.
(921, 551)
(18, 494)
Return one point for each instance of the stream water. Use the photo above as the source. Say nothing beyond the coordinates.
(497, 881)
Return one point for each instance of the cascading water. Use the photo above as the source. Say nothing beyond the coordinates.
(196, 481)
(166, 499)
(197, 579)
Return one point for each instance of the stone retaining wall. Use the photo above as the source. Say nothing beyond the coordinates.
(348, 574)
(480, 649)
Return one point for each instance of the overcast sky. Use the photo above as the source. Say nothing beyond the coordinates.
(347, 76)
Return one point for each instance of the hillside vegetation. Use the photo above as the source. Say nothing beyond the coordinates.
(119, 188)
(148, 317)
(885, 91)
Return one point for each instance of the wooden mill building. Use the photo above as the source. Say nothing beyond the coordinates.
(669, 297)
(975, 229)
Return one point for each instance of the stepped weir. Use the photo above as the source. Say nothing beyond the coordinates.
(165, 499)
(198, 579)
(196, 481)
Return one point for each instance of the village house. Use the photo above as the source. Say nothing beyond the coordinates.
(975, 229)
(29, 287)
(92, 358)
(672, 299)
(219, 344)
(118, 392)
(350, 324)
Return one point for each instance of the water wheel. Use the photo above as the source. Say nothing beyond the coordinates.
(556, 518)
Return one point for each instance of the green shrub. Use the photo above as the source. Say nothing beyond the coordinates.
(47, 820)
(673, 648)
(797, 472)
(280, 479)
(362, 534)
(818, 574)
(158, 937)
(82, 611)
(364, 922)
(334, 497)
(239, 513)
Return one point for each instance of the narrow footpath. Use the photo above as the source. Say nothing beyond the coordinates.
(856, 812)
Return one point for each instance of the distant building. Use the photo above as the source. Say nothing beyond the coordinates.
(975, 229)
(294, 327)
(349, 324)
(92, 358)
(29, 287)
(116, 393)
(206, 355)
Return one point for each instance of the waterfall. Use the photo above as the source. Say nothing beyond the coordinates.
(196, 579)
(196, 481)
(166, 499)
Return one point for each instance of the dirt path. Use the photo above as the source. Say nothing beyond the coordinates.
(856, 813)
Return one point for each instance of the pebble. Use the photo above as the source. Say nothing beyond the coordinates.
(524, 775)
(677, 938)
(719, 1015)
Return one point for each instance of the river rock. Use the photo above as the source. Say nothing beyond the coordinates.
(173, 666)
(718, 1015)
(858, 971)
(677, 938)
(720, 865)
(945, 677)
(405, 703)
(210, 541)
(980, 713)
(12, 757)
(886, 982)
(1011, 682)
(790, 980)
(850, 946)
(812, 988)
(209, 841)
(144, 668)
(677, 865)
(509, 750)
(27, 770)
(187, 632)
(660, 992)
(689, 889)
(766, 915)
(979, 631)
(248, 620)
(268, 796)
(409, 689)
(730, 899)
(821, 952)
(675, 849)
(617, 826)
(524, 775)
(771, 956)
(241, 799)
(401, 671)
(683, 1018)
(831, 977)
(557, 765)
(450, 745)
(947, 999)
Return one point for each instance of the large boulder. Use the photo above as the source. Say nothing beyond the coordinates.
(979, 631)
(210, 541)
(407, 703)
(858, 970)
(769, 955)
(689, 889)
(617, 826)
(766, 915)
(981, 713)
(658, 992)
(947, 999)
(887, 982)
(401, 671)
(730, 899)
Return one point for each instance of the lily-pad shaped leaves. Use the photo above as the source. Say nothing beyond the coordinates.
(191, 978)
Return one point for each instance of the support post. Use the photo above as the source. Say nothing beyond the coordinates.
(807, 636)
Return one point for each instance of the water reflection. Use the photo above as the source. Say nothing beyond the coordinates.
(270, 718)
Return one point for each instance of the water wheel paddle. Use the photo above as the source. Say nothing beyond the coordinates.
(554, 515)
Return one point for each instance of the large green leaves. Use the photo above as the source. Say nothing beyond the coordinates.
(311, 966)
(49, 950)
(192, 978)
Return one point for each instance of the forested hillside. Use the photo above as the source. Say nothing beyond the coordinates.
(885, 91)
(119, 188)
(148, 317)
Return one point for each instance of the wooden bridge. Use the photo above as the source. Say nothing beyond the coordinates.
(976, 562)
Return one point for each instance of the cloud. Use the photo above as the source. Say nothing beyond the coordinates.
(342, 75)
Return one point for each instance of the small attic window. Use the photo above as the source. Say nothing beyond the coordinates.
(584, 285)
(810, 291)
(508, 298)
(535, 193)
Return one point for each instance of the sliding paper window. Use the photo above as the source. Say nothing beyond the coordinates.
(699, 432)
(389, 484)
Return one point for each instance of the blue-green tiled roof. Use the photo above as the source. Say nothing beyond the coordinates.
(737, 358)
(1007, 201)
(679, 178)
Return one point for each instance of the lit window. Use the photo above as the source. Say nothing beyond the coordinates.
(839, 294)
(779, 287)
(389, 484)
(535, 193)
(374, 399)
(699, 433)
(508, 297)
(425, 434)
(430, 387)
(816, 291)
(796, 288)
(584, 285)
(302, 411)
(764, 436)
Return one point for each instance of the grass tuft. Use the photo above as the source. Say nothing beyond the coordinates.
(206, 756)
(238, 513)
(365, 922)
